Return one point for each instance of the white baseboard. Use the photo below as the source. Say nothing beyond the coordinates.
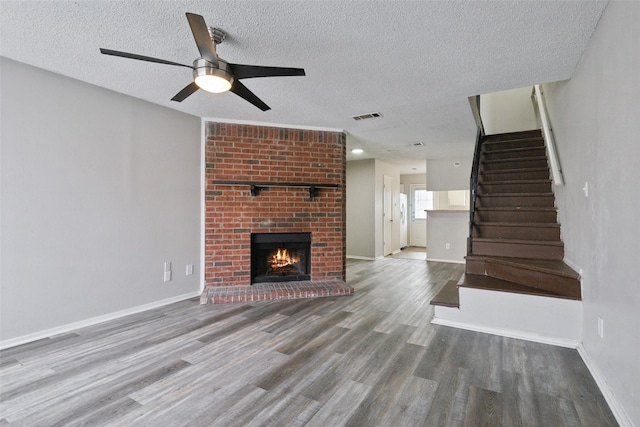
(450, 261)
(366, 258)
(93, 321)
(397, 251)
(507, 333)
(617, 409)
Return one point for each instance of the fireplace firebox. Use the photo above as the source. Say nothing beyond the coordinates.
(280, 257)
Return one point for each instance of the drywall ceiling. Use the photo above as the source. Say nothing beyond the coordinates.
(415, 62)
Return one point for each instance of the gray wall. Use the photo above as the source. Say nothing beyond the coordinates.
(98, 191)
(365, 180)
(508, 111)
(451, 228)
(442, 174)
(596, 122)
(361, 208)
(416, 178)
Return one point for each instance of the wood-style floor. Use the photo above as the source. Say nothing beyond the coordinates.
(372, 359)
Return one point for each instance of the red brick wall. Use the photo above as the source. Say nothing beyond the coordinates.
(237, 152)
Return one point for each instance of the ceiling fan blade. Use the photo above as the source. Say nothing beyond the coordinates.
(241, 71)
(203, 39)
(186, 92)
(243, 92)
(140, 57)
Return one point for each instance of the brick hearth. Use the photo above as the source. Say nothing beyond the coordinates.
(262, 154)
(274, 291)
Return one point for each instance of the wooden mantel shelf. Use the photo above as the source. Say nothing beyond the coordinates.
(257, 186)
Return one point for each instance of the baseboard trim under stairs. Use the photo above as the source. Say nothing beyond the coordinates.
(510, 314)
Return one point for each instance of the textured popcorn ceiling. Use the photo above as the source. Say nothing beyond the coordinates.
(414, 62)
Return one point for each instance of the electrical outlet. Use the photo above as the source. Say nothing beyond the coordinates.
(600, 327)
(189, 270)
(447, 245)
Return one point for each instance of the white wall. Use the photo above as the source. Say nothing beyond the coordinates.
(443, 174)
(508, 111)
(595, 118)
(361, 209)
(98, 191)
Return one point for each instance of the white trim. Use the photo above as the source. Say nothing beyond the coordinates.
(615, 406)
(573, 265)
(203, 202)
(397, 251)
(509, 333)
(273, 125)
(93, 321)
(366, 258)
(549, 142)
(450, 261)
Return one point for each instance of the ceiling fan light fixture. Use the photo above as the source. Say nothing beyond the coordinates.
(211, 83)
(210, 78)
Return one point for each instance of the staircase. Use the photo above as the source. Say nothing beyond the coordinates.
(515, 244)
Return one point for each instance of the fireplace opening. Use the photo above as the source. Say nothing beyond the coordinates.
(280, 257)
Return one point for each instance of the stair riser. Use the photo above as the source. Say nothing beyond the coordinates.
(514, 216)
(535, 187)
(489, 201)
(513, 175)
(508, 145)
(500, 155)
(518, 250)
(519, 233)
(513, 164)
(475, 266)
(537, 279)
(528, 134)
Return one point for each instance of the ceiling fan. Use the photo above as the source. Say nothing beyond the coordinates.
(210, 72)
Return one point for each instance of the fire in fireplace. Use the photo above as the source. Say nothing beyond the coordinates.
(280, 257)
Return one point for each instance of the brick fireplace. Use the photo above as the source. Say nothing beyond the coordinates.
(261, 180)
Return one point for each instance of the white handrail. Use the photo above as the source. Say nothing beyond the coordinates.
(554, 164)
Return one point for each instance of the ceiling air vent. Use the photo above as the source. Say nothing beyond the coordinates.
(367, 116)
(418, 144)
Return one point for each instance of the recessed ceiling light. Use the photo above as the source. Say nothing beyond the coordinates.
(357, 151)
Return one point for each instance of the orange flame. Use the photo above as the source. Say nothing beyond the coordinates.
(282, 258)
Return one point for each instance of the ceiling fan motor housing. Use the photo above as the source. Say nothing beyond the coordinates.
(202, 67)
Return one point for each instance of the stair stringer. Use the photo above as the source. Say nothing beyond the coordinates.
(555, 321)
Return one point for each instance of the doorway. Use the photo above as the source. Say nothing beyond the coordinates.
(421, 200)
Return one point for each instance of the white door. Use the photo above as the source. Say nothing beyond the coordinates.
(387, 214)
(419, 203)
(404, 223)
